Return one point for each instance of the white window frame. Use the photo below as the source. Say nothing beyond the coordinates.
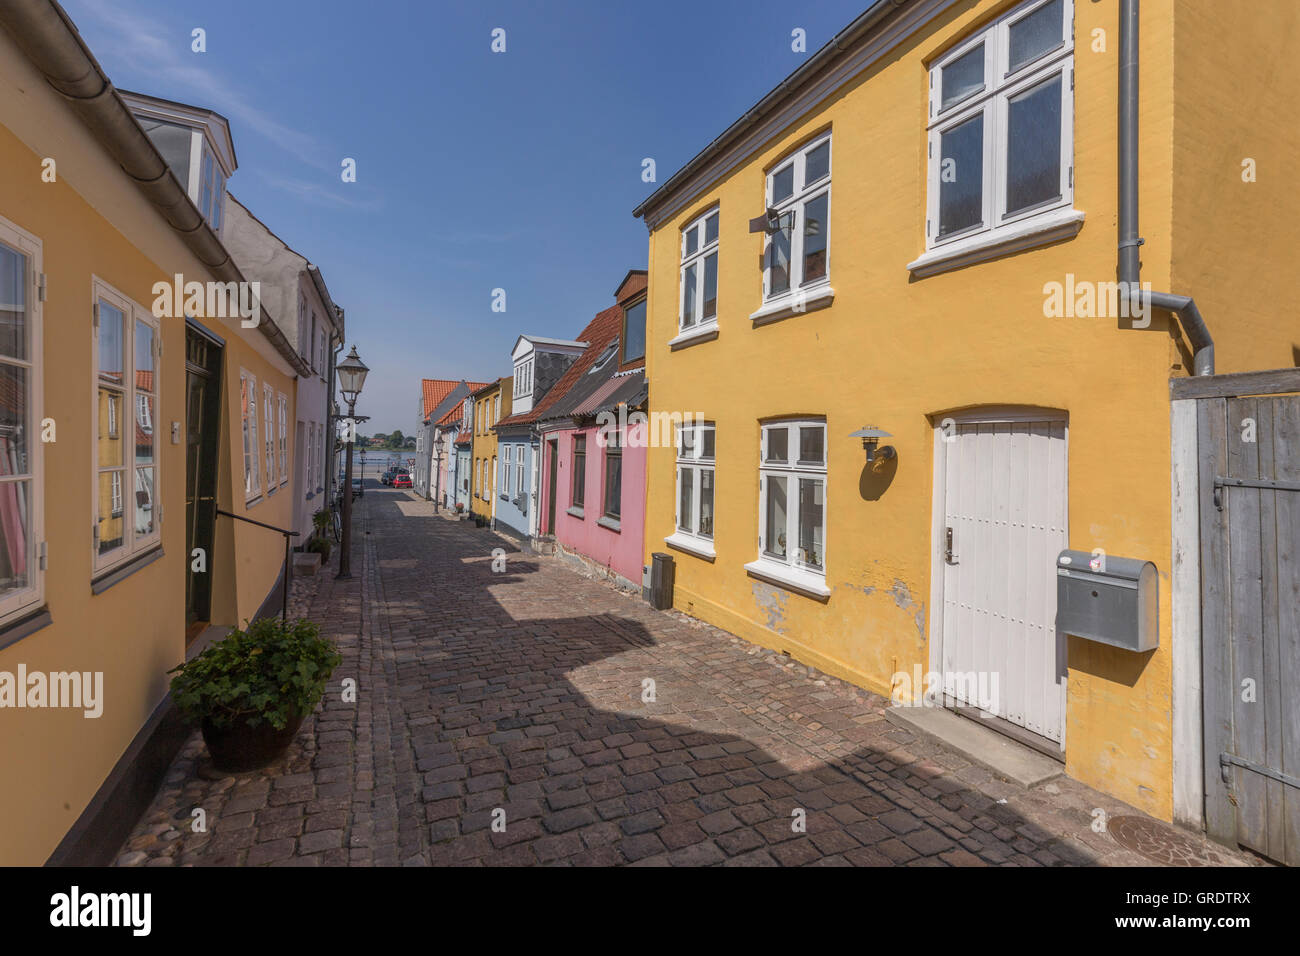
(507, 460)
(282, 404)
(696, 320)
(268, 421)
(692, 461)
(22, 600)
(248, 425)
(992, 102)
(802, 194)
(519, 474)
(791, 571)
(496, 408)
(133, 543)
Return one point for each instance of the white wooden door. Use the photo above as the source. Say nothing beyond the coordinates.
(1004, 499)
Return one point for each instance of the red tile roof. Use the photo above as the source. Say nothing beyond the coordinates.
(435, 390)
(602, 330)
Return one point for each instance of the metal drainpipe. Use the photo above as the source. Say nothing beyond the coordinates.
(1129, 259)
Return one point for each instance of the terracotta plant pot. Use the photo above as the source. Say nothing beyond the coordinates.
(238, 747)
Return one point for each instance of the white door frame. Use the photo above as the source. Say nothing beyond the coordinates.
(943, 423)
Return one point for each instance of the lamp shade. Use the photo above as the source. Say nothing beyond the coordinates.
(352, 375)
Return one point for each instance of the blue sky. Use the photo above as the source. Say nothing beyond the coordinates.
(475, 170)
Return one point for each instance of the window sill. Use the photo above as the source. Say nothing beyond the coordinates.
(691, 545)
(694, 336)
(613, 524)
(104, 582)
(248, 503)
(575, 512)
(805, 582)
(794, 304)
(1063, 223)
(25, 626)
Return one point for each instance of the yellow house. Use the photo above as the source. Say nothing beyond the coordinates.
(123, 403)
(891, 292)
(488, 410)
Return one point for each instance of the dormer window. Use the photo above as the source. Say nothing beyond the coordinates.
(212, 190)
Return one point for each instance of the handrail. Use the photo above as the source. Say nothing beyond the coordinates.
(284, 602)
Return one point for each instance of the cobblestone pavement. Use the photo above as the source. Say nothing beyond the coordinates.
(516, 695)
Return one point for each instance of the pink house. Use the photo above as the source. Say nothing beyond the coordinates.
(593, 462)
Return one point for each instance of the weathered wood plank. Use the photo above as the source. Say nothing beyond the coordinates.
(1271, 382)
(1270, 689)
(1245, 613)
(1286, 461)
(1216, 676)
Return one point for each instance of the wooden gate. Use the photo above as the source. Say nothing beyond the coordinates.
(1249, 488)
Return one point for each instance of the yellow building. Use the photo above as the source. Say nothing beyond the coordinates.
(491, 404)
(121, 427)
(915, 234)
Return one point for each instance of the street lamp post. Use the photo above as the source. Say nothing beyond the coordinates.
(352, 375)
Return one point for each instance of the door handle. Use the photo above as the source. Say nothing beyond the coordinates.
(947, 554)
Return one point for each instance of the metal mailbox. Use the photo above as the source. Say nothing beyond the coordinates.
(1108, 599)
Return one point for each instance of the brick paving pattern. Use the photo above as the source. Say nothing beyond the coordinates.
(518, 696)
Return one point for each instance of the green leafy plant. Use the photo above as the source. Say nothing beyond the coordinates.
(320, 545)
(272, 672)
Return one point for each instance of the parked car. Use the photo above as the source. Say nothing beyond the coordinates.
(387, 477)
(403, 480)
(358, 487)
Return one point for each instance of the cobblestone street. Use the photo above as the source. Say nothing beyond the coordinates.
(521, 691)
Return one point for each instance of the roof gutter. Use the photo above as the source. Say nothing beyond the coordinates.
(1129, 258)
(837, 45)
(50, 40)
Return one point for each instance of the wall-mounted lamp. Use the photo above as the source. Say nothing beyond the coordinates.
(871, 436)
(769, 222)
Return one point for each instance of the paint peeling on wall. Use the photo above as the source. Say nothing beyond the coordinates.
(771, 604)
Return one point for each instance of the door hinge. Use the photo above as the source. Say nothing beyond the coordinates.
(94, 532)
(927, 228)
(160, 513)
(42, 555)
(40, 287)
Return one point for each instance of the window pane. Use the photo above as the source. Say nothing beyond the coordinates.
(15, 543)
(687, 436)
(711, 229)
(962, 77)
(817, 164)
(14, 409)
(783, 184)
(144, 429)
(111, 326)
(706, 502)
(688, 291)
(110, 428)
(810, 522)
(812, 444)
(613, 485)
(711, 286)
(111, 525)
(814, 238)
(692, 240)
(634, 330)
(706, 436)
(779, 256)
(1034, 146)
(774, 520)
(686, 488)
(144, 501)
(1035, 34)
(13, 299)
(961, 176)
(777, 439)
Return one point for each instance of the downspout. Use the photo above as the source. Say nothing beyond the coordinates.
(1129, 259)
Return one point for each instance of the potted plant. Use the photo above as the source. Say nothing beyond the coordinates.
(251, 691)
(319, 542)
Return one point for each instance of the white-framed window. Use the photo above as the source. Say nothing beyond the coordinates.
(796, 256)
(699, 272)
(22, 487)
(317, 475)
(507, 470)
(126, 378)
(496, 408)
(282, 405)
(268, 421)
(248, 415)
(519, 473)
(792, 495)
(1001, 130)
(695, 475)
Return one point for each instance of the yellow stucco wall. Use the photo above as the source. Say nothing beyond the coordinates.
(483, 449)
(898, 351)
(55, 760)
